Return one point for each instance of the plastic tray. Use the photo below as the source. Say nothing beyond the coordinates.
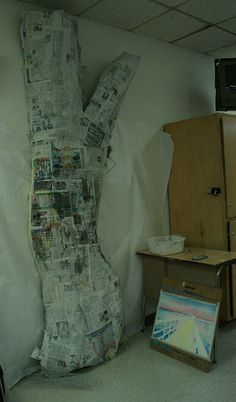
(166, 245)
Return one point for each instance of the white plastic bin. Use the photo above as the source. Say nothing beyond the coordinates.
(166, 245)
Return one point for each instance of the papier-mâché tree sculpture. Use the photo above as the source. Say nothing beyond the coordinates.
(81, 292)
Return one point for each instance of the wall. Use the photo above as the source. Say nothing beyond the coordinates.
(171, 83)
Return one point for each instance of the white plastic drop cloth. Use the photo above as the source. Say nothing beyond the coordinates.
(21, 318)
(133, 208)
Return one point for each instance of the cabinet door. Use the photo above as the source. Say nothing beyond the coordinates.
(233, 282)
(229, 144)
(232, 235)
(198, 167)
(232, 243)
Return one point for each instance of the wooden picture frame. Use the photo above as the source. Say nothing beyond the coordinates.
(186, 322)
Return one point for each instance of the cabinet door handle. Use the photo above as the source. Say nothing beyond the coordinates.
(214, 191)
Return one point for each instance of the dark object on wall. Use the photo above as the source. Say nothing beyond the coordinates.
(225, 84)
(2, 388)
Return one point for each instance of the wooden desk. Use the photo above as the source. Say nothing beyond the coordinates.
(213, 271)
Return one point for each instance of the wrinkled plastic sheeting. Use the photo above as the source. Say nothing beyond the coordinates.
(20, 296)
(134, 206)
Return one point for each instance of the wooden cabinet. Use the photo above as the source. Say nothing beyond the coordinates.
(202, 188)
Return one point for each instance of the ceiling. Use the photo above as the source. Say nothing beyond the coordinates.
(207, 26)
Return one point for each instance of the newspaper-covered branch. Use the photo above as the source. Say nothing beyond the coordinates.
(81, 293)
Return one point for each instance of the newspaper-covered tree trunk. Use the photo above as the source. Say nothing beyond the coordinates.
(81, 292)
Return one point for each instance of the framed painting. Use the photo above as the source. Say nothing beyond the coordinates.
(186, 322)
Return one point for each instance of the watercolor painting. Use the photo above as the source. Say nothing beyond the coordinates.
(186, 323)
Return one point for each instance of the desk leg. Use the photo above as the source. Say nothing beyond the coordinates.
(218, 273)
(144, 310)
(217, 284)
(166, 270)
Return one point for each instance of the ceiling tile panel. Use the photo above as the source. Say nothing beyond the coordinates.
(228, 51)
(229, 25)
(170, 3)
(182, 22)
(212, 11)
(71, 6)
(208, 39)
(124, 14)
(170, 26)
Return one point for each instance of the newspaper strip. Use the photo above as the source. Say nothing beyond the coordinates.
(81, 292)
